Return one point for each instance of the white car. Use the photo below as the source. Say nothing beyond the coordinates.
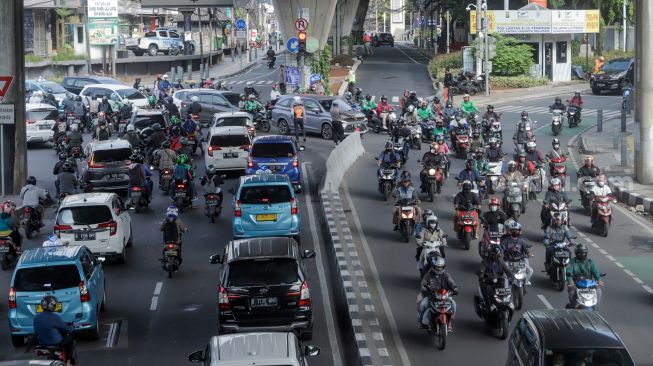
(40, 118)
(234, 119)
(122, 92)
(227, 148)
(99, 221)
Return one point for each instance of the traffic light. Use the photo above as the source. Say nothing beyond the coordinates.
(301, 36)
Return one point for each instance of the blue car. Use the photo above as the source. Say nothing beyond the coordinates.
(265, 205)
(278, 155)
(71, 274)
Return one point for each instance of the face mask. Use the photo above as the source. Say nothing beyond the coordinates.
(493, 208)
(514, 235)
(432, 151)
(433, 226)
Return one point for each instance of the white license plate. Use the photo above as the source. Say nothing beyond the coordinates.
(600, 84)
(181, 194)
(4, 249)
(114, 177)
(171, 253)
(45, 127)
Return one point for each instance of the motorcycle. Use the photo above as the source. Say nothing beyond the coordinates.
(436, 246)
(587, 297)
(139, 198)
(514, 202)
(399, 149)
(8, 255)
(491, 236)
(557, 268)
(30, 221)
(439, 314)
(55, 353)
(427, 126)
(271, 61)
(462, 145)
(213, 204)
(586, 194)
(387, 180)
(603, 214)
(556, 122)
(415, 136)
(165, 176)
(498, 313)
(180, 196)
(560, 209)
(261, 120)
(433, 179)
(573, 115)
(496, 131)
(171, 258)
(466, 224)
(407, 214)
(494, 172)
(517, 264)
(558, 168)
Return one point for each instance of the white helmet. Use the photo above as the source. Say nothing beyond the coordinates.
(411, 108)
(432, 222)
(250, 83)
(165, 76)
(130, 127)
(194, 98)
(172, 212)
(297, 99)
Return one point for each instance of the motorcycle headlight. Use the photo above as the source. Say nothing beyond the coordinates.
(417, 135)
(520, 275)
(431, 171)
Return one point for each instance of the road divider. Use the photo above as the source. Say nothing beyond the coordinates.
(340, 160)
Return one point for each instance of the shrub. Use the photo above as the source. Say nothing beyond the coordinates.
(343, 60)
(520, 81)
(440, 62)
(33, 58)
(68, 53)
(512, 57)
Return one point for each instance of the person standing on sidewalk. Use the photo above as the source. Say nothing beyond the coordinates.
(282, 79)
(367, 40)
(298, 117)
(448, 83)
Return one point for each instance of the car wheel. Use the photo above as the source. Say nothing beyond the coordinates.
(17, 341)
(130, 242)
(139, 53)
(152, 50)
(326, 131)
(283, 127)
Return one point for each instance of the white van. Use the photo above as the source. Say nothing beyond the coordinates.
(227, 148)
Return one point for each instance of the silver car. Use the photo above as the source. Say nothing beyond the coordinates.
(320, 112)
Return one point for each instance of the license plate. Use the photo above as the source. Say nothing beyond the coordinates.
(517, 264)
(4, 249)
(600, 84)
(114, 177)
(212, 202)
(136, 193)
(57, 308)
(407, 208)
(503, 291)
(263, 301)
(181, 194)
(266, 217)
(85, 236)
(171, 253)
(230, 155)
(443, 303)
(45, 127)
(561, 254)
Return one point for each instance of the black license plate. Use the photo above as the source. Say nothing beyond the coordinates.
(114, 177)
(257, 302)
(4, 249)
(136, 193)
(85, 236)
(561, 254)
(181, 194)
(171, 253)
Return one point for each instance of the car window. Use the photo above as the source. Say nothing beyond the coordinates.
(56, 88)
(206, 98)
(131, 94)
(279, 150)
(267, 194)
(102, 92)
(326, 103)
(82, 83)
(87, 265)
(162, 34)
(141, 122)
(311, 105)
(181, 95)
(88, 91)
(231, 121)
(68, 81)
(587, 356)
(55, 277)
(229, 140)
(218, 100)
(526, 342)
(284, 102)
(84, 215)
(41, 114)
(616, 65)
(110, 155)
(150, 34)
(344, 107)
(233, 98)
(274, 271)
(173, 34)
(118, 206)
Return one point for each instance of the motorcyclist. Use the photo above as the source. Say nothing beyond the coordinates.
(271, 54)
(155, 140)
(105, 106)
(139, 175)
(494, 216)
(435, 279)
(173, 228)
(63, 157)
(494, 153)
(383, 109)
(74, 138)
(195, 107)
(586, 172)
(600, 189)
(32, 196)
(137, 83)
(556, 232)
(249, 89)
(430, 232)
(467, 106)
(68, 102)
(79, 110)
(132, 137)
(532, 154)
(368, 104)
(102, 132)
(577, 101)
(477, 142)
(167, 157)
(490, 114)
(184, 171)
(411, 100)
(469, 173)
(36, 97)
(521, 136)
(525, 167)
(449, 110)
(10, 221)
(275, 93)
(556, 152)
(186, 147)
(433, 157)
(252, 105)
(582, 266)
(67, 180)
(436, 107)
(49, 98)
(512, 175)
(405, 191)
(171, 107)
(191, 125)
(492, 267)
(424, 112)
(558, 105)
(60, 128)
(554, 194)
(50, 329)
(515, 244)
(164, 86)
(466, 201)
(440, 129)
(126, 112)
(212, 181)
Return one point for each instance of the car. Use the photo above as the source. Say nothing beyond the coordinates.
(122, 93)
(613, 75)
(318, 116)
(75, 84)
(43, 85)
(99, 221)
(212, 101)
(570, 336)
(40, 118)
(32, 363)
(255, 348)
(276, 154)
(227, 148)
(264, 287)
(166, 40)
(385, 38)
(227, 119)
(144, 118)
(107, 165)
(265, 205)
(71, 274)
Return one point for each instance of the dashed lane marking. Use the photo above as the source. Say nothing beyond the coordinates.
(154, 303)
(545, 301)
(155, 298)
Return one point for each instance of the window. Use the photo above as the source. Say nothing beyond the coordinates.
(263, 271)
(268, 194)
(84, 215)
(81, 83)
(41, 114)
(87, 265)
(100, 156)
(284, 102)
(616, 65)
(311, 106)
(150, 34)
(130, 93)
(587, 356)
(56, 88)
(561, 52)
(535, 48)
(281, 150)
(231, 121)
(205, 98)
(526, 342)
(80, 35)
(229, 140)
(163, 34)
(141, 122)
(173, 34)
(47, 278)
(326, 103)
(218, 100)
(233, 98)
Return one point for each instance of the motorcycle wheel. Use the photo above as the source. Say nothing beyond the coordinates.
(405, 231)
(504, 323)
(138, 208)
(441, 337)
(518, 297)
(556, 131)
(417, 144)
(515, 214)
(602, 227)
(28, 231)
(386, 190)
(560, 283)
(467, 240)
(431, 192)
(524, 199)
(265, 126)
(4, 262)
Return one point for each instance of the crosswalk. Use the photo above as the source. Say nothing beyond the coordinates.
(607, 113)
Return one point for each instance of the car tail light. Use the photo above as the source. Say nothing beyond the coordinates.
(223, 299)
(59, 228)
(244, 147)
(84, 295)
(295, 162)
(250, 164)
(95, 165)
(211, 149)
(237, 211)
(293, 206)
(112, 225)
(12, 298)
(29, 122)
(305, 296)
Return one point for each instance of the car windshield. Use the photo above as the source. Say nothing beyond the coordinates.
(587, 356)
(231, 121)
(268, 194)
(130, 93)
(41, 114)
(84, 215)
(141, 122)
(280, 150)
(111, 155)
(56, 88)
(268, 271)
(616, 65)
(229, 140)
(233, 98)
(47, 278)
(344, 107)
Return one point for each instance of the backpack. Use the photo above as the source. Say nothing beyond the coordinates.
(181, 172)
(103, 134)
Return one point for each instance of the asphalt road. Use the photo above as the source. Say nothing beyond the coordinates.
(625, 255)
(162, 320)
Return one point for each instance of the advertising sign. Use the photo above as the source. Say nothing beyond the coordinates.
(575, 21)
(103, 8)
(292, 75)
(103, 32)
(539, 21)
(186, 3)
(6, 114)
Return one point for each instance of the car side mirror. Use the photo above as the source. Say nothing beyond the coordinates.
(197, 356)
(308, 253)
(311, 351)
(215, 259)
(302, 147)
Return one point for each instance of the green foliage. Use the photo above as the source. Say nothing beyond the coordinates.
(440, 62)
(33, 58)
(321, 64)
(521, 81)
(67, 54)
(343, 60)
(512, 57)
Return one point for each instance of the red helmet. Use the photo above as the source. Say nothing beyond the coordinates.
(158, 76)
(8, 207)
(494, 202)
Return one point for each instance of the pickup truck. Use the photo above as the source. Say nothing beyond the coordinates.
(163, 40)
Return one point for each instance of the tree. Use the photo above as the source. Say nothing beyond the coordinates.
(62, 15)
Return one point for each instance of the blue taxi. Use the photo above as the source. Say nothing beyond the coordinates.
(71, 274)
(265, 205)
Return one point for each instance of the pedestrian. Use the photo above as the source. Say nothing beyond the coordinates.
(448, 82)
(282, 79)
(298, 117)
(367, 40)
(319, 88)
(337, 130)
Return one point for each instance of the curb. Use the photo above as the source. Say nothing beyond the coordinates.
(343, 87)
(244, 69)
(519, 95)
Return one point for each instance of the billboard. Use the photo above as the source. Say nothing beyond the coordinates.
(103, 8)
(575, 21)
(102, 32)
(539, 21)
(186, 3)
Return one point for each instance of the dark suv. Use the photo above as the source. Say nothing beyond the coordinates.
(264, 287)
(107, 167)
(385, 38)
(613, 75)
(75, 84)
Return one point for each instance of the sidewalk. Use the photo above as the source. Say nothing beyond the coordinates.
(227, 68)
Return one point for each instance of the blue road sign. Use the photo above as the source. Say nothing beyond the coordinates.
(293, 45)
(240, 24)
(315, 78)
(292, 76)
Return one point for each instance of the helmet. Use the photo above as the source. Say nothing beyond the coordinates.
(63, 156)
(577, 91)
(210, 169)
(105, 98)
(251, 97)
(530, 145)
(558, 100)
(388, 145)
(49, 303)
(600, 180)
(436, 100)
(466, 96)
(439, 139)
(156, 127)
(31, 180)
(172, 211)
(495, 251)
(467, 186)
(522, 154)
(426, 213)
(411, 108)
(437, 262)
(524, 114)
(458, 118)
(78, 98)
(405, 176)
(413, 93)
(494, 202)
(588, 159)
(182, 159)
(169, 100)
(433, 145)
(250, 83)
(166, 144)
(74, 127)
(348, 96)
(515, 228)
(8, 206)
(158, 76)
(490, 107)
(479, 152)
(555, 142)
(432, 222)
(165, 76)
(555, 182)
(368, 97)
(512, 163)
(130, 127)
(493, 141)
(470, 163)
(62, 117)
(449, 104)
(581, 251)
(297, 99)
(66, 167)
(137, 158)
(102, 123)
(176, 130)
(194, 98)
(184, 141)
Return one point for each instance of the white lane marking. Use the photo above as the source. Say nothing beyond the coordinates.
(618, 264)
(240, 82)
(326, 300)
(405, 54)
(582, 235)
(602, 251)
(111, 337)
(154, 303)
(648, 289)
(375, 275)
(595, 245)
(628, 272)
(545, 301)
(638, 280)
(157, 288)
(395, 99)
(611, 258)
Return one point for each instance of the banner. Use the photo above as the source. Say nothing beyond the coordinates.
(540, 21)
(103, 8)
(292, 75)
(102, 32)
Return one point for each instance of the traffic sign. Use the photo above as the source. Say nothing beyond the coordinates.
(241, 24)
(6, 114)
(315, 78)
(293, 45)
(301, 24)
(312, 44)
(5, 82)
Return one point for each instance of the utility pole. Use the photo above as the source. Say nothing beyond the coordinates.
(644, 91)
(89, 71)
(376, 15)
(486, 32)
(247, 37)
(479, 44)
(448, 27)
(625, 32)
(506, 5)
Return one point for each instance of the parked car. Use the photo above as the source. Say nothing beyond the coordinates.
(227, 148)
(75, 84)
(612, 75)
(318, 115)
(234, 119)
(97, 220)
(163, 40)
(385, 38)
(264, 286)
(256, 348)
(276, 154)
(43, 85)
(107, 166)
(122, 92)
(212, 101)
(71, 274)
(565, 337)
(265, 205)
(40, 118)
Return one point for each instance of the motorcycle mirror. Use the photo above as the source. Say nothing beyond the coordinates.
(215, 259)
(196, 356)
(376, 158)
(101, 259)
(302, 147)
(308, 254)
(602, 274)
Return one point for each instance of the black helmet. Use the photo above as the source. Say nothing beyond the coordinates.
(62, 116)
(467, 186)
(383, 97)
(436, 100)
(405, 176)
(31, 180)
(555, 142)
(490, 107)
(558, 100)
(166, 144)
(176, 131)
(470, 163)
(388, 145)
(413, 93)
(136, 158)
(156, 127)
(169, 100)
(102, 123)
(210, 170)
(63, 156)
(449, 103)
(368, 97)
(49, 303)
(78, 98)
(524, 114)
(495, 251)
(49, 90)
(581, 251)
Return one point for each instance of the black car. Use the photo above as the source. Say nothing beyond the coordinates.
(613, 75)
(75, 84)
(385, 38)
(565, 337)
(264, 287)
(107, 167)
